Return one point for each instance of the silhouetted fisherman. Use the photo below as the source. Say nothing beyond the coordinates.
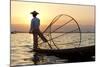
(35, 23)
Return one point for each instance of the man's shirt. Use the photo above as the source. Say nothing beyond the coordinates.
(35, 23)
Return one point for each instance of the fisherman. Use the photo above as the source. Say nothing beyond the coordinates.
(34, 29)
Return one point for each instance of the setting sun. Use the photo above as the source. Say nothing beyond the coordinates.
(20, 13)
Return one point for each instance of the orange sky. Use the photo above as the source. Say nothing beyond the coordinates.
(20, 13)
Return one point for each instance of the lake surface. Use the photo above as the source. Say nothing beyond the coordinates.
(22, 43)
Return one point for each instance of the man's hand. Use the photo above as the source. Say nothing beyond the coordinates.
(30, 32)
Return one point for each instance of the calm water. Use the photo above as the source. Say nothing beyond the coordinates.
(21, 44)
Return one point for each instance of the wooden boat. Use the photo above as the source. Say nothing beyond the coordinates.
(85, 52)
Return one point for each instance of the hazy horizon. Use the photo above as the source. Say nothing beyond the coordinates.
(21, 28)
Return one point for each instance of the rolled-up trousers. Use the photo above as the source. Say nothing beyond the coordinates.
(35, 37)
